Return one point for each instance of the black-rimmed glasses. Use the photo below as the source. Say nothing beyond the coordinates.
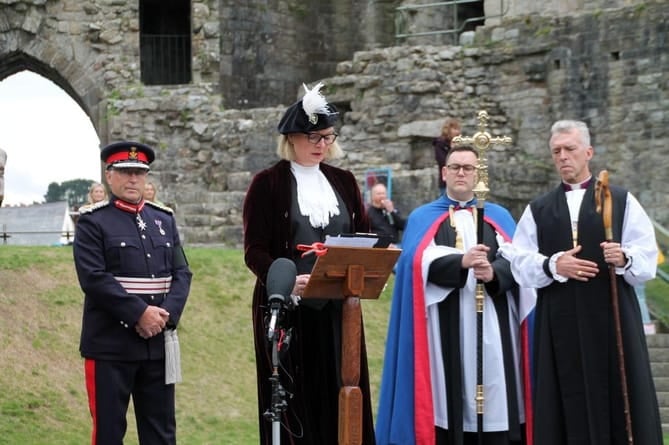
(468, 169)
(315, 138)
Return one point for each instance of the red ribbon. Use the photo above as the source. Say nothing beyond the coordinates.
(317, 249)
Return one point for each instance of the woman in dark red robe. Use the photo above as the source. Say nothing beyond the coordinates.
(300, 200)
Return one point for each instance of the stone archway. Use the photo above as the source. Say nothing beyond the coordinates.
(18, 61)
(48, 137)
(49, 40)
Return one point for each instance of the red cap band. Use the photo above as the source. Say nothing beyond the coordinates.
(132, 155)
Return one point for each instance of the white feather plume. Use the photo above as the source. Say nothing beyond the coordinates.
(313, 101)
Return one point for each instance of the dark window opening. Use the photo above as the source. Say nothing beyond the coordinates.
(470, 15)
(449, 18)
(615, 55)
(165, 42)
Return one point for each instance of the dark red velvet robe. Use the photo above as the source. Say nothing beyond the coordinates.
(267, 229)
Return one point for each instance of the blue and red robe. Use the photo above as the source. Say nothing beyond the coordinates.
(406, 414)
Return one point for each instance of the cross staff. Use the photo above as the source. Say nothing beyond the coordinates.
(481, 141)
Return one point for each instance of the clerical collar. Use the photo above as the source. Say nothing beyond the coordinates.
(129, 207)
(582, 185)
(460, 204)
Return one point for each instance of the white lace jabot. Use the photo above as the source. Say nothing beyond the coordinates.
(315, 196)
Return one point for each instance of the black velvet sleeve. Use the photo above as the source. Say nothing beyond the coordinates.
(502, 280)
(447, 271)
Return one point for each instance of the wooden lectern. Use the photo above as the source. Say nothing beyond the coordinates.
(351, 273)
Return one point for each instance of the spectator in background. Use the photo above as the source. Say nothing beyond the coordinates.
(151, 193)
(442, 144)
(97, 193)
(3, 161)
(384, 218)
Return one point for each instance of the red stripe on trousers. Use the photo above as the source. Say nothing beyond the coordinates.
(89, 370)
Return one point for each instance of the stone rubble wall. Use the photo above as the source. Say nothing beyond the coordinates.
(609, 67)
(553, 8)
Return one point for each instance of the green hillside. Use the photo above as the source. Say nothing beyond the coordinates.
(41, 373)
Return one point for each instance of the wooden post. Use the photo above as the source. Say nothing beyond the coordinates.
(351, 273)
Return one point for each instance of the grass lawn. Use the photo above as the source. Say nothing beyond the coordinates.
(41, 373)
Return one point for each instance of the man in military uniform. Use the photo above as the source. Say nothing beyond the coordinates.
(136, 280)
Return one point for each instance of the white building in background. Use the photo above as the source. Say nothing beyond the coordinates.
(36, 225)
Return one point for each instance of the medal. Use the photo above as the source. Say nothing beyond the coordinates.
(159, 223)
(140, 222)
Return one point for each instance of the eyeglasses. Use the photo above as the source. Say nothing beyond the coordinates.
(315, 138)
(467, 168)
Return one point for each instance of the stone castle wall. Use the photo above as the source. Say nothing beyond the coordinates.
(266, 46)
(609, 67)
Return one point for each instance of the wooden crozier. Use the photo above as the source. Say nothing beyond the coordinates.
(351, 273)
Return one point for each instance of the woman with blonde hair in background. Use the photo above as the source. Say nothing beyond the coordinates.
(96, 193)
(151, 192)
(151, 195)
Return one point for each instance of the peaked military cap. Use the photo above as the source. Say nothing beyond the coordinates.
(127, 154)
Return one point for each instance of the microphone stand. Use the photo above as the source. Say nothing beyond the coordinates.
(280, 281)
(278, 402)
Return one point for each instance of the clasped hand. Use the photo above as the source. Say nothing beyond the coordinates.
(476, 259)
(568, 265)
(152, 322)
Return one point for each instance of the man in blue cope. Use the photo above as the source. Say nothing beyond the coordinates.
(136, 280)
(428, 388)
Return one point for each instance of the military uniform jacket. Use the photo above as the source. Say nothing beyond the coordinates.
(124, 256)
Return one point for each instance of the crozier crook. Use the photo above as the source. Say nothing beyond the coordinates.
(604, 206)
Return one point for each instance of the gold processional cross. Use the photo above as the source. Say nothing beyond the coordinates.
(481, 142)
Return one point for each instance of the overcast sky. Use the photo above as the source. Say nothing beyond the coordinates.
(47, 136)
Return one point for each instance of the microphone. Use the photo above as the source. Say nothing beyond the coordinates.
(389, 216)
(280, 282)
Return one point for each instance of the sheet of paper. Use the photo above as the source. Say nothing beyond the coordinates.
(351, 241)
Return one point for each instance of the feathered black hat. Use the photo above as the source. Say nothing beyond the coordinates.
(311, 113)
